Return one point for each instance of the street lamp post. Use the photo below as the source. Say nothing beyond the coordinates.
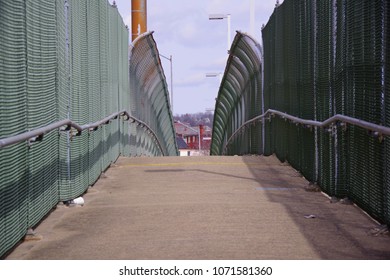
(252, 18)
(170, 60)
(223, 16)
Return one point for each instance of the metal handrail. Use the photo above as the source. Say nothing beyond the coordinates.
(378, 129)
(67, 124)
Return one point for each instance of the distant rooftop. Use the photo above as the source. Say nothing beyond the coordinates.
(182, 145)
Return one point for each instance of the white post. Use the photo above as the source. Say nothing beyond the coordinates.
(171, 84)
(171, 64)
(252, 18)
(199, 139)
(229, 33)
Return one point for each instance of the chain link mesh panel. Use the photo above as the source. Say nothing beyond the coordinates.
(321, 58)
(41, 106)
(386, 96)
(13, 100)
(99, 86)
(239, 100)
(340, 70)
(63, 59)
(150, 101)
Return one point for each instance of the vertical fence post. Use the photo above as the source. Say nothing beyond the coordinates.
(68, 81)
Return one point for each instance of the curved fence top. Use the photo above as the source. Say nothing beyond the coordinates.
(237, 94)
(322, 104)
(150, 96)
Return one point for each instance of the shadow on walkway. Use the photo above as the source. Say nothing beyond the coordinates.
(192, 208)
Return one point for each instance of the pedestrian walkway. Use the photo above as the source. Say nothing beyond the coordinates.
(205, 208)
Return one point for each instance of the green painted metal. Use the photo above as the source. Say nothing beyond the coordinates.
(97, 62)
(150, 100)
(13, 103)
(65, 106)
(332, 65)
(386, 69)
(323, 60)
(238, 98)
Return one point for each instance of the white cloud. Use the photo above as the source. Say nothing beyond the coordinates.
(193, 80)
(211, 65)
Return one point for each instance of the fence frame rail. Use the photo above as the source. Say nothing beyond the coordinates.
(379, 130)
(37, 134)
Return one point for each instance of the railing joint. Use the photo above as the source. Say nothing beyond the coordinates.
(35, 139)
(65, 128)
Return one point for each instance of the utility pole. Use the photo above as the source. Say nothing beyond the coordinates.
(252, 18)
(138, 18)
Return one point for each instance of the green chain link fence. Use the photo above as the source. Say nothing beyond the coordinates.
(66, 60)
(321, 59)
(238, 100)
(150, 101)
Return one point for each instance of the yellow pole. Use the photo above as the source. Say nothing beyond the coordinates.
(139, 18)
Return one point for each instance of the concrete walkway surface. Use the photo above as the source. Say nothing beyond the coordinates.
(191, 208)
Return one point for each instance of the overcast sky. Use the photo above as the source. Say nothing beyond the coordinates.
(198, 46)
